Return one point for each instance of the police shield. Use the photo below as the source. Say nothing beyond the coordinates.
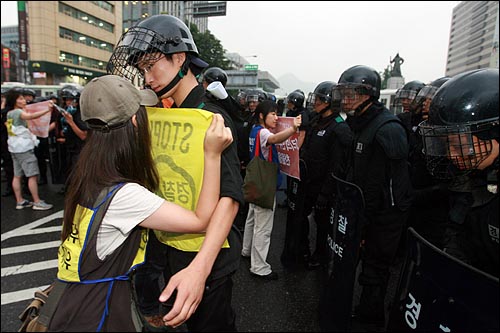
(292, 250)
(344, 236)
(438, 292)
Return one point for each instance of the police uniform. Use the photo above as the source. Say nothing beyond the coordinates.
(324, 152)
(379, 167)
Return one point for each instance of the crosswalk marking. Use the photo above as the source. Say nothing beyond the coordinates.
(30, 228)
(30, 247)
(20, 295)
(37, 266)
(33, 228)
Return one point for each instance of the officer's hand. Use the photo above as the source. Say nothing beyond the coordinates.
(190, 285)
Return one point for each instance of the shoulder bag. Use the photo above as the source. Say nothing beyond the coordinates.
(259, 186)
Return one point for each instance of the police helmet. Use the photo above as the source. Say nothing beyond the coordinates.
(465, 107)
(255, 96)
(155, 36)
(296, 97)
(428, 91)
(215, 74)
(409, 90)
(364, 79)
(323, 92)
(69, 91)
(28, 92)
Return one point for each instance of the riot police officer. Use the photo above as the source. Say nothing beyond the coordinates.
(431, 196)
(460, 141)
(324, 152)
(405, 96)
(212, 74)
(378, 165)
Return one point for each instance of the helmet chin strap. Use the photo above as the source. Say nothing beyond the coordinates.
(182, 72)
(357, 111)
(326, 108)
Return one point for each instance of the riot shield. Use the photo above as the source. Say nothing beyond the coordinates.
(438, 292)
(344, 237)
(291, 257)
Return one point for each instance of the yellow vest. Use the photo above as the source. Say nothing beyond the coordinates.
(70, 251)
(177, 137)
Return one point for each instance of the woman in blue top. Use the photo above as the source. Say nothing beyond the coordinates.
(259, 223)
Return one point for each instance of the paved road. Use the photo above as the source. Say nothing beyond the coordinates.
(29, 258)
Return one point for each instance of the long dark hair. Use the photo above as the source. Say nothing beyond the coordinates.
(11, 97)
(108, 158)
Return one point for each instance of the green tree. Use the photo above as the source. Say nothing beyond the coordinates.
(385, 76)
(210, 48)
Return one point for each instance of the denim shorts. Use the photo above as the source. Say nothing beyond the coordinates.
(25, 164)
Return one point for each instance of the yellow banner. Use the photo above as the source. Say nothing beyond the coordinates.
(177, 137)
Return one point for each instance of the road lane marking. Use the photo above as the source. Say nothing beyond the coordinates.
(29, 229)
(20, 295)
(30, 247)
(37, 266)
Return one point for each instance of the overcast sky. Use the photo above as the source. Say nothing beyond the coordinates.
(317, 41)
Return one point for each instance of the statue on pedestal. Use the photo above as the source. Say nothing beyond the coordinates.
(396, 69)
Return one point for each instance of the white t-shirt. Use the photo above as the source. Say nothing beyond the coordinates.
(264, 135)
(131, 205)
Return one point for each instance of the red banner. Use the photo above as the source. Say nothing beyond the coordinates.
(288, 151)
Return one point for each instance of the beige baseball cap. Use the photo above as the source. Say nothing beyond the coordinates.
(113, 100)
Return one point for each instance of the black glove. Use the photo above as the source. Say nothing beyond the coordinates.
(321, 202)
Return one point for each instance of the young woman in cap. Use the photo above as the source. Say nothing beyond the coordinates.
(99, 252)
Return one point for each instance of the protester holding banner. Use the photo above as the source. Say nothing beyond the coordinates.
(160, 51)
(324, 152)
(111, 186)
(259, 223)
(378, 165)
(21, 145)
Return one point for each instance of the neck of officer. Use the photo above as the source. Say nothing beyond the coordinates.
(184, 87)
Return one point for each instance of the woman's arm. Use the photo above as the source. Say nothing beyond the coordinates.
(286, 133)
(29, 116)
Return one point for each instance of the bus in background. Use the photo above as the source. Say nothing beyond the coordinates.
(387, 98)
(40, 89)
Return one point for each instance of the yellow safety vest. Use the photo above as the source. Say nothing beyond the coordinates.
(177, 137)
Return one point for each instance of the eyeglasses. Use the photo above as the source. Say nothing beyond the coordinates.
(148, 67)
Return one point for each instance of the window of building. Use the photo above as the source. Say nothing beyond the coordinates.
(77, 14)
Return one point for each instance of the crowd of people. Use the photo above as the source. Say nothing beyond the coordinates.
(433, 166)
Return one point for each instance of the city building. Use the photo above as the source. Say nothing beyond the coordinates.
(60, 42)
(190, 12)
(246, 75)
(67, 41)
(473, 37)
